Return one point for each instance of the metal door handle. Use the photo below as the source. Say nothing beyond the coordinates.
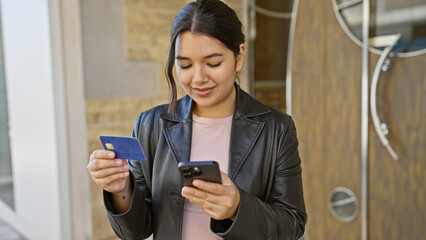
(380, 127)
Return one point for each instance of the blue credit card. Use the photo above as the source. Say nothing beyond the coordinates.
(124, 147)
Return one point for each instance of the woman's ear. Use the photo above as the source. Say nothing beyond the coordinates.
(240, 58)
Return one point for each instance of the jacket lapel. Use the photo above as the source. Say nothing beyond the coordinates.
(179, 140)
(178, 130)
(245, 130)
(244, 135)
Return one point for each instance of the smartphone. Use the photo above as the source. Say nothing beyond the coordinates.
(204, 170)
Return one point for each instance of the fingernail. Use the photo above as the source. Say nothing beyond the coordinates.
(111, 154)
(196, 183)
(185, 191)
(118, 162)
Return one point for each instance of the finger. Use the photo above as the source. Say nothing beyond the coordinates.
(200, 198)
(215, 188)
(214, 209)
(103, 173)
(216, 206)
(211, 201)
(225, 179)
(98, 164)
(187, 192)
(102, 154)
(206, 186)
(192, 193)
(220, 209)
(106, 182)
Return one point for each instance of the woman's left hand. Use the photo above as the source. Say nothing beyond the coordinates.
(219, 201)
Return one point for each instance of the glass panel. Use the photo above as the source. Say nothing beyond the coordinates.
(6, 184)
(270, 51)
(353, 19)
(389, 17)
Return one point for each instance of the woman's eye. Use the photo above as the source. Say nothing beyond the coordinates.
(185, 66)
(214, 65)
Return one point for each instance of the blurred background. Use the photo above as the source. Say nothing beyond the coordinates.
(350, 72)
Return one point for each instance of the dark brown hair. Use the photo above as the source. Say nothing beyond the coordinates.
(210, 17)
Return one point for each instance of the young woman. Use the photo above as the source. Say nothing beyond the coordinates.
(261, 193)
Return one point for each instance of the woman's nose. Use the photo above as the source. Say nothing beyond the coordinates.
(199, 75)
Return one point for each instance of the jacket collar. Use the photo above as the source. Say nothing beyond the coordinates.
(183, 111)
(244, 132)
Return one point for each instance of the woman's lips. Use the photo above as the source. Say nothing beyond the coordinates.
(203, 92)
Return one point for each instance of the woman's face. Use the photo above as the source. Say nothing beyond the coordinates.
(206, 69)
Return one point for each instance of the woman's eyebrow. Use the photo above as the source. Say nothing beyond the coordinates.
(213, 55)
(206, 57)
(182, 58)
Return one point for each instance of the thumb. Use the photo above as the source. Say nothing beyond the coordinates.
(225, 179)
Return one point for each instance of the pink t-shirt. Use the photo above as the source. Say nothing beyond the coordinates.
(210, 142)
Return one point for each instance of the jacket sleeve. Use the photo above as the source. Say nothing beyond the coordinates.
(282, 215)
(136, 223)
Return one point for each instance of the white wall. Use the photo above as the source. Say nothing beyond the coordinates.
(108, 73)
(77, 144)
(36, 118)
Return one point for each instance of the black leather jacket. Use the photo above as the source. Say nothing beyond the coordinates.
(263, 163)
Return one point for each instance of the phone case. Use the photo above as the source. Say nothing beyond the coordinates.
(204, 170)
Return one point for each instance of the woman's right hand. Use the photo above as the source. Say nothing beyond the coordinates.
(109, 173)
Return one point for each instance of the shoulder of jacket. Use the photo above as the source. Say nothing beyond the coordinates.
(148, 119)
(153, 115)
(149, 116)
(277, 121)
